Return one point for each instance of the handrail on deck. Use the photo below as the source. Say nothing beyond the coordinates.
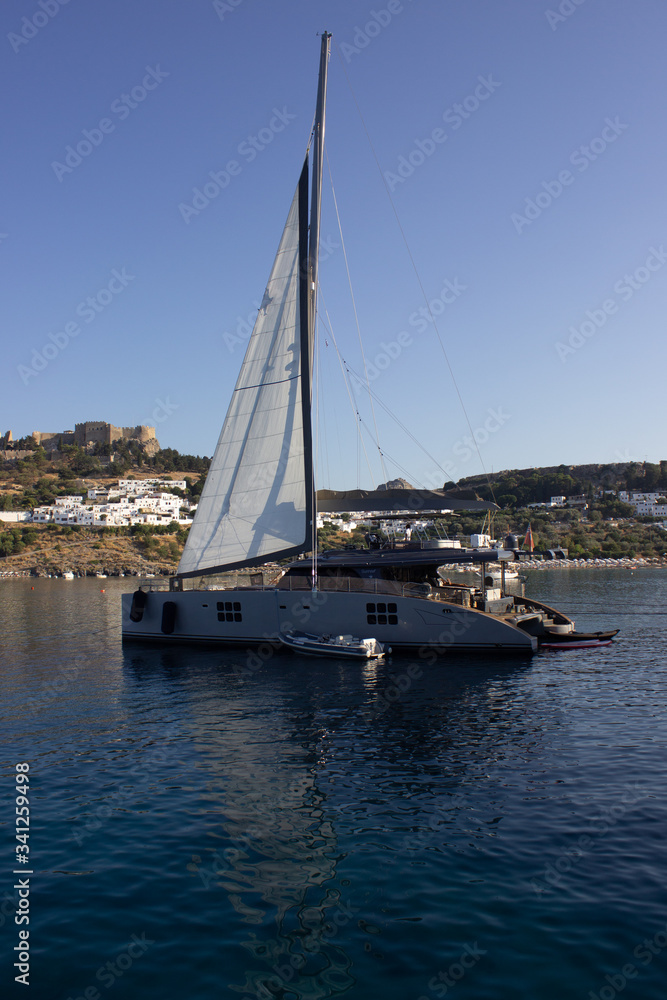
(453, 594)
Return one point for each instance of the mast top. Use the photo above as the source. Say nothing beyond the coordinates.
(318, 157)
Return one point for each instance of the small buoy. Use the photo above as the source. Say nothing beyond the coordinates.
(32, 588)
(102, 591)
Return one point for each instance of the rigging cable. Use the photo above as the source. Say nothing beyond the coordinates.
(406, 430)
(347, 370)
(414, 267)
(355, 410)
(356, 318)
(324, 443)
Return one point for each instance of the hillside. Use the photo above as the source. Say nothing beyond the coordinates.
(518, 487)
(35, 480)
(51, 550)
(48, 549)
(608, 529)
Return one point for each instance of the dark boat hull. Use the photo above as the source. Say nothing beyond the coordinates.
(577, 640)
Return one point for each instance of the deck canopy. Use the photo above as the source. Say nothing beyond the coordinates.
(344, 560)
(386, 501)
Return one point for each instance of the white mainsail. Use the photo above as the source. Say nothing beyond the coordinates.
(257, 501)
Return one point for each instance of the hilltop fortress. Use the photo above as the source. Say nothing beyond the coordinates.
(93, 432)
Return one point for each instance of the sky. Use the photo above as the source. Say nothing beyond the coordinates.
(499, 172)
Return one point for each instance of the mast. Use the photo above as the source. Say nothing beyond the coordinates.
(258, 500)
(318, 158)
(313, 254)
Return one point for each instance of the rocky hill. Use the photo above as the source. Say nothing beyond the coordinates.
(51, 550)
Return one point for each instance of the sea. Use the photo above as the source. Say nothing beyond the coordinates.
(216, 824)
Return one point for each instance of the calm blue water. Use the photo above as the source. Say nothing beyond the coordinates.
(203, 827)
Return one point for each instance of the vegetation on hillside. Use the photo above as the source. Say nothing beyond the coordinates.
(34, 481)
(607, 529)
(128, 456)
(518, 487)
(53, 548)
(596, 533)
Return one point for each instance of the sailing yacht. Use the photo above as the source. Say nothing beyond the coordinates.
(259, 505)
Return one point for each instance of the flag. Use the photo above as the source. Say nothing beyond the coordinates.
(528, 542)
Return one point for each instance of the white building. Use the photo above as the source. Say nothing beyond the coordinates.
(654, 509)
(15, 515)
(69, 502)
(645, 503)
(338, 523)
(41, 515)
(150, 485)
(647, 497)
(124, 510)
(103, 494)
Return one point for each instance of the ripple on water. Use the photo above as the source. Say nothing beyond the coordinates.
(271, 835)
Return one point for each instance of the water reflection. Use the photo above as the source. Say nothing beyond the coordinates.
(305, 759)
(290, 827)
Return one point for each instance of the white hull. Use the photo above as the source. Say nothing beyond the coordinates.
(252, 617)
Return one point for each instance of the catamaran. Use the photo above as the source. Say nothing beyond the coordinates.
(259, 506)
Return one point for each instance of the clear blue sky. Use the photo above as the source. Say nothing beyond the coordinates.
(565, 110)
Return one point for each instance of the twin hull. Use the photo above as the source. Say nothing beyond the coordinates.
(253, 617)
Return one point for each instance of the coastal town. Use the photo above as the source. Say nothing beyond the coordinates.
(108, 499)
(135, 501)
(131, 502)
(648, 504)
